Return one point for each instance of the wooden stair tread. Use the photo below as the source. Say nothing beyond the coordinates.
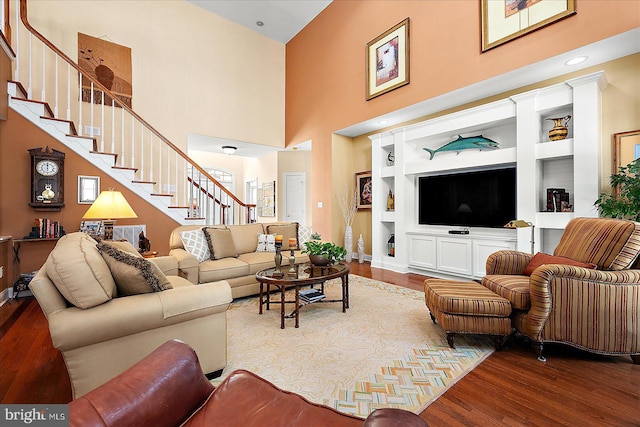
(178, 207)
(162, 195)
(72, 125)
(91, 138)
(19, 86)
(104, 152)
(144, 182)
(125, 168)
(45, 104)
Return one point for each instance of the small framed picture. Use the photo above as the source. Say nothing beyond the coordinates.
(92, 228)
(388, 60)
(364, 188)
(626, 149)
(88, 189)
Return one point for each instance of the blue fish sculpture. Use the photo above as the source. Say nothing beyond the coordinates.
(461, 143)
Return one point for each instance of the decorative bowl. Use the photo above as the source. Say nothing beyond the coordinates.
(319, 260)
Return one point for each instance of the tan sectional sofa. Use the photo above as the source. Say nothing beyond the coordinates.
(102, 328)
(239, 271)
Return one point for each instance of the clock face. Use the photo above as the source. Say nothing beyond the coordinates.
(47, 167)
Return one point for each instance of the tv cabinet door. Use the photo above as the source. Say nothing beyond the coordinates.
(422, 251)
(481, 251)
(454, 256)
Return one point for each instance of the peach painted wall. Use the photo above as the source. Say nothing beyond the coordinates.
(193, 71)
(325, 87)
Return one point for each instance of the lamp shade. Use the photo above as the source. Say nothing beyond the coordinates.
(110, 204)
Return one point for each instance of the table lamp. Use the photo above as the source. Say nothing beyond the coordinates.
(108, 207)
(518, 223)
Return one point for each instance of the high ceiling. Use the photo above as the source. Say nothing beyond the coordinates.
(281, 19)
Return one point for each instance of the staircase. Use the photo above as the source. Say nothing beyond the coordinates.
(58, 96)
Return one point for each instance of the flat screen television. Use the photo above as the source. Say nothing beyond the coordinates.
(473, 199)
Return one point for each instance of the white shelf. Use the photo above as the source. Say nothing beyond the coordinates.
(557, 220)
(447, 161)
(554, 149)
(387, 172)
(388, 216)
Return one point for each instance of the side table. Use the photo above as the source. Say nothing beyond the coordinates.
(21, 283)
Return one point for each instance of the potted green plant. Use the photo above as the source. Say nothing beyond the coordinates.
(627, 204)
(324, 253)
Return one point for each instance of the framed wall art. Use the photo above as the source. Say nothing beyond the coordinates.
(110, 64)
(88, 189)
(364, 190)
(267, 199)
(505, 20)
(388, 60)
(626, 149)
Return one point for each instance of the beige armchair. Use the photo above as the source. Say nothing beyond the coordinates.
(597, 310)
(100, 333)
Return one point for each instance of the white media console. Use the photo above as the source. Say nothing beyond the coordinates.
(520, 124)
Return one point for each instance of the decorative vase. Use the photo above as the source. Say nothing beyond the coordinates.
(319, 260)
(559, 130)
(348, 243)
(360, 249)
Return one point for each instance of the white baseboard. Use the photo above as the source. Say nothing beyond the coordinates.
(366, 257)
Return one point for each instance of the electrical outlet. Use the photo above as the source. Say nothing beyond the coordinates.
(1, 271)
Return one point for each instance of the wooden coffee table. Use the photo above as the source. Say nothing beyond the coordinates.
(305, 274)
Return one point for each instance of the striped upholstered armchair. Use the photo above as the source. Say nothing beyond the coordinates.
(594, 309)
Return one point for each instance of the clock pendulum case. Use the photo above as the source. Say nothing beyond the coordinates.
(47, 179)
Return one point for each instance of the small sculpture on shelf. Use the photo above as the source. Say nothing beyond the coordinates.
(559, 130)
(390, 201)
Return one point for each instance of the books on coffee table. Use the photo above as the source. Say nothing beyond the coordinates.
(311, 295)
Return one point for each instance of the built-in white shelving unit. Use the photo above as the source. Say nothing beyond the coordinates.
(520, 124)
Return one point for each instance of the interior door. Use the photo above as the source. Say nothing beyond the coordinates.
(295, 197)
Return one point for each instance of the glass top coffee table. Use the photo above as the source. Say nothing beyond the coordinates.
(304, 274)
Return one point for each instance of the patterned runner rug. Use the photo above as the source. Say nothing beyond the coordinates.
(383, 352)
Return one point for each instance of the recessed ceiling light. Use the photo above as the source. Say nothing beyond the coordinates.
(383, 122)
(260, 23)
(576, 60)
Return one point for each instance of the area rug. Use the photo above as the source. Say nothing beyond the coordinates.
(383, 352)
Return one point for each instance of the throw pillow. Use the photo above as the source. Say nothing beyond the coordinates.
(542, 259)
(288, 230)
(304, 234)
(133, 275)
(220, 243)
(127, 247)
(266, 243)
(195, 242)
(78, 271)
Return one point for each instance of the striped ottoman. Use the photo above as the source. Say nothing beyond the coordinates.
(467, 308)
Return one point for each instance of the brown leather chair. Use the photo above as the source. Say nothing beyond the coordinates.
(168, 388)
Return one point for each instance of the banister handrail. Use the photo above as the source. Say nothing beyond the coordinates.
(114, 97)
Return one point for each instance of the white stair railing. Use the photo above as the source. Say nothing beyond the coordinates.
(116, 129)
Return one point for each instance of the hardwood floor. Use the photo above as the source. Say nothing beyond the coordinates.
(510, 388)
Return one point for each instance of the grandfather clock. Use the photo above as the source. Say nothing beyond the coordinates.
(47, 179)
